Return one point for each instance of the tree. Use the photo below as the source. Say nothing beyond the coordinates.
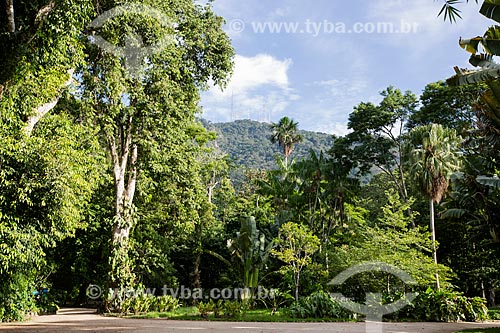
(433, 155)
(392, 239)
(285, 134)
(377, 137)
(41, 47)
(47, 181)
(295, 247)
(324, 185)
(447, 105)
(147, 121)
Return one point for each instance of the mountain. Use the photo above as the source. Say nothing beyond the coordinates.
(248, 145)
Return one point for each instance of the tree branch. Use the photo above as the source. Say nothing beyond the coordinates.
(42, 110)
(43, 13)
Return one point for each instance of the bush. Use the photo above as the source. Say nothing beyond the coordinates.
(277, 299)
(46, 302)
(166, 303)
(446, 306)
(494, 314)
(16, 297)
(230, 309)
(149, 303)
(318, 305)
(205, 308)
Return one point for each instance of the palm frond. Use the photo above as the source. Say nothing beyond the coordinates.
(489, 181)
(450, 12)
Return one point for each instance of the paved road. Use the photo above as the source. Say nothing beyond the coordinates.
(85, 320)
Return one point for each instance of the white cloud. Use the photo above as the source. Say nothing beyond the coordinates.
(259, 88)
(258, 71)
(338, 128)
(352, 87)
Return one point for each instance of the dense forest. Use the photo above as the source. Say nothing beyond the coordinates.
(248, 146)
(109, 182)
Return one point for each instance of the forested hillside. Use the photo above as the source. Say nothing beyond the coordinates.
(248, 145)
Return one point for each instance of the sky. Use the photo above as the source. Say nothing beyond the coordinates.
(313, 61)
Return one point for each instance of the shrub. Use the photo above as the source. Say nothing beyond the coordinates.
(149, 303)
(318, 305)
(230, 309)
(166, 303)
(46, 302)
(205, 308)
(494, 314)
(446, 306)
(277, 299)
(16, 297)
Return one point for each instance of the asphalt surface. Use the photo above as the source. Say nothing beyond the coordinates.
(86, 320)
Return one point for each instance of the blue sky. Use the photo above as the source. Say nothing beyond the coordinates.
(325, 57)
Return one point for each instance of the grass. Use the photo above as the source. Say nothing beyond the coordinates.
(261, 315)
(494, 314)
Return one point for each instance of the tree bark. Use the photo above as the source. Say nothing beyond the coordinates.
(124, 156)
(297, 280)
(11, 23)
(433, 233)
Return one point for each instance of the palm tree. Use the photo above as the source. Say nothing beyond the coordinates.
(433, 155)
(285, 133)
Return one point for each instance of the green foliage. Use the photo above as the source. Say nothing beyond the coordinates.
(205, 308)
(295, 247)
(219, 308)
(250, 252)
(16, 297)
(285, 134)
(37, 56)
(46, 304)
(377, 137)
(149, 129)
(448, 106)
(433, 154)
(494, 314)
(277, 299)
(47, 181)
(450, 11)
(144, 302)
(393, 240)
(447, 306)
(318, 305)
(232, 309)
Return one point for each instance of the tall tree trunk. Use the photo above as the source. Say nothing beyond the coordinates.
(491, 295)
(124, 155)
(11, 23)
(196, 273)
(404, 191)
(433, 233)
(297, 281)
